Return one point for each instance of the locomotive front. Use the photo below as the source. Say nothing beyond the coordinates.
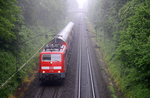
(52, 65)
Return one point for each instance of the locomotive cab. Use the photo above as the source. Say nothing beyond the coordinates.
(52, 63)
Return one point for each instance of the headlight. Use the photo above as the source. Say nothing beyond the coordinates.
(57, 67)
(45, 67)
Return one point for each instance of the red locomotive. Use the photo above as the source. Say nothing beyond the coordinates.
(53, 58)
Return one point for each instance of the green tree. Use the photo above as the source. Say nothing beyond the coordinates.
(9, 16)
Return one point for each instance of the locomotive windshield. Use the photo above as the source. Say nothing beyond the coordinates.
(51, 57)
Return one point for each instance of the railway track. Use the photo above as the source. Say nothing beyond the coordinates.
(40, 93)
(90, 71)
(91, 80)
(48, 92)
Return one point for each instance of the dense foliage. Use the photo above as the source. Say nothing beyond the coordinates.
(123, 29)
(134, 46)
(9, 23)
(25, 26)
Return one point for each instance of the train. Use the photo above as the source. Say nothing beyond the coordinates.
(54, 57)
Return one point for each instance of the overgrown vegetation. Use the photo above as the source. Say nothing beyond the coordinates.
(25, 25)
(123, 32)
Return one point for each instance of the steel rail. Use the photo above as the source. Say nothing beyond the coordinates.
(90, 71)
(79, 69)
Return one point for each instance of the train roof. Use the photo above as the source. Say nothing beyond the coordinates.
(63, 35)
(59, 43)
(54, 50)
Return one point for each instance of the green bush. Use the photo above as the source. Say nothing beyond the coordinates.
(134, 44)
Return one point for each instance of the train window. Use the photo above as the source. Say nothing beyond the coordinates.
(51, 57)
(55, 57)
(46, 57)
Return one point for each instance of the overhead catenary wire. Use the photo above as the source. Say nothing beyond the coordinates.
(3, 84)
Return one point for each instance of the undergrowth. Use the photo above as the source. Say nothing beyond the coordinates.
(123, 77)
(14, 62)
